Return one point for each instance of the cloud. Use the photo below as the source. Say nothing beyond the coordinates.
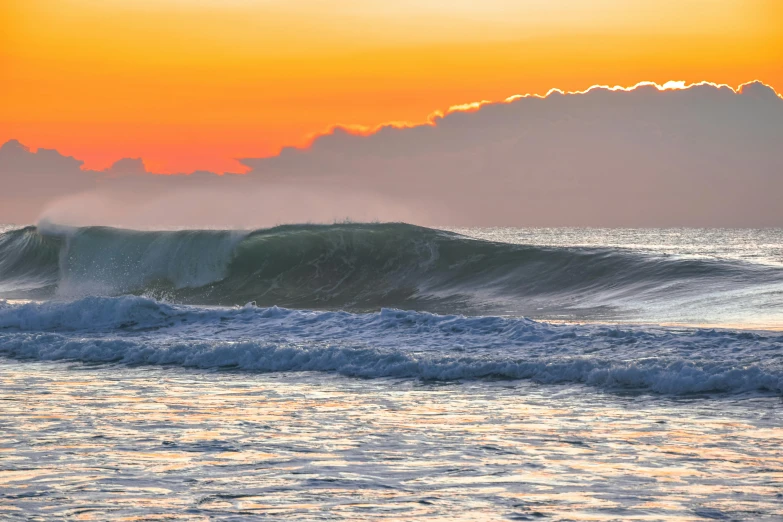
(46, 186)
(127, 167)
(700, 155)
(29, 180)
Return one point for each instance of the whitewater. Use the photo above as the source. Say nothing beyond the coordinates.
(386, 370)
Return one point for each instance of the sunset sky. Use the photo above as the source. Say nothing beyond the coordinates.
(194, 84)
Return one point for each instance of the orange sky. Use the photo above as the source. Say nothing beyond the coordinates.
(191, 84)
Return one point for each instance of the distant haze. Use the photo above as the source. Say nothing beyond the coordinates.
(701, 156)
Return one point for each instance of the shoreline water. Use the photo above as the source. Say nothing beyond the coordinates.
(135, 443)
(642, 388)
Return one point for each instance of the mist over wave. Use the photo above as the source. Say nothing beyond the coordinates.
(365, 267)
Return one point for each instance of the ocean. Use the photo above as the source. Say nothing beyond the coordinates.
(389, 371)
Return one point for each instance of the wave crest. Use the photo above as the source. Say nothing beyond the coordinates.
(363, 267)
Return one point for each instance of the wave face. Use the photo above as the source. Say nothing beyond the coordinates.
(366, 267)
(392, 344)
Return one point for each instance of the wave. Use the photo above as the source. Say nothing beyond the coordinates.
(365, 267)
(392, 344)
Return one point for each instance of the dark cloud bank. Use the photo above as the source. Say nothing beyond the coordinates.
(702, 156)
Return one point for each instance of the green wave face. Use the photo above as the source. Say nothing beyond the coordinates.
(360, 267)
(29, 264)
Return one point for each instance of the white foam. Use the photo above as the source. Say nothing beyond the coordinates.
(392, 343)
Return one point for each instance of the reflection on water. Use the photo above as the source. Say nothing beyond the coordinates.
(119, 443)
(754, 245)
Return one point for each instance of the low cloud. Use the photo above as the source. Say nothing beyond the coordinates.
(31, 180)
(704, 155)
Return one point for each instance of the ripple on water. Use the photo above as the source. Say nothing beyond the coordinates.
(119, 443)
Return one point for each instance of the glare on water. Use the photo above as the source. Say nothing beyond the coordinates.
(759, 245)
(121, 443)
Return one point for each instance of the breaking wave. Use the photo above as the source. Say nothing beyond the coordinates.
(365, 267)
(392, 344)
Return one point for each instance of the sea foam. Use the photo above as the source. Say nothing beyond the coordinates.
(392, 344)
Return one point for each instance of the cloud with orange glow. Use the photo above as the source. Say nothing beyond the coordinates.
(192, 85)
(647, 155)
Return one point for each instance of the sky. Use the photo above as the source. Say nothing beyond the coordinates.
(198, 84)
(702, 155)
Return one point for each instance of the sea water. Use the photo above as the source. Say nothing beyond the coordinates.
(389, 371)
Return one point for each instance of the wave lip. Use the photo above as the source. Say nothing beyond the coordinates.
(393, 344)
(366, 267)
